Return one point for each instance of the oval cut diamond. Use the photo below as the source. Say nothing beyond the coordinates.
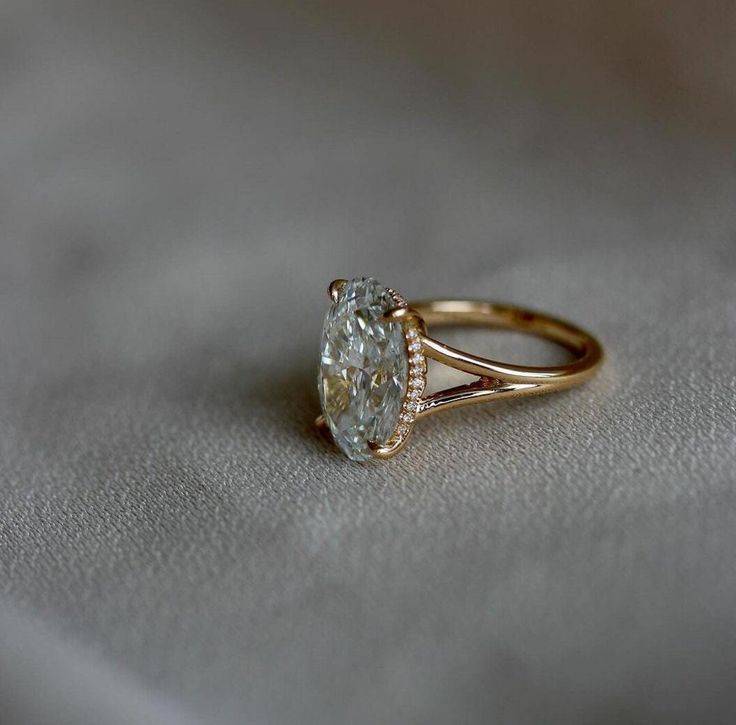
(364, 368)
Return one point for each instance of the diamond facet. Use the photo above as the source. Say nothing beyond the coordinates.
(364, 368)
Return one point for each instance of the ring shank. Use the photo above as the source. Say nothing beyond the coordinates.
(498, 379)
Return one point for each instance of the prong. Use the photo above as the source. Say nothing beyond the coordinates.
(335, 288)
(399, 314)
(405, 314)
(384, 452)
(320, 422)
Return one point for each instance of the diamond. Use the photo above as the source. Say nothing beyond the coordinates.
(363, 368)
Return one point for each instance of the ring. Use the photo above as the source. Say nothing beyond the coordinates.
(373, 363)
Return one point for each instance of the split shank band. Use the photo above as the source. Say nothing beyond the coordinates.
(497, 379)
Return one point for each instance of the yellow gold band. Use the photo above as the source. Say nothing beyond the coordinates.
(499, 380)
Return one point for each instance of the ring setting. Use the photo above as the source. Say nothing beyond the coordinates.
(373, 363)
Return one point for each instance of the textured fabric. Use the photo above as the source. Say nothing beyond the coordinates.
(178, 184)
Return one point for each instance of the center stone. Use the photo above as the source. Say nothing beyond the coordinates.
(364, 368)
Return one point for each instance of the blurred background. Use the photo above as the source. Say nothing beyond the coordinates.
(178, 184)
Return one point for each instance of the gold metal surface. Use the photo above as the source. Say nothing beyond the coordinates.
(499, 380)
(335, 288)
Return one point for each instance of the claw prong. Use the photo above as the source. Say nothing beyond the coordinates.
(335, 288)
(389, 450)
(405, 314)
(399, 314)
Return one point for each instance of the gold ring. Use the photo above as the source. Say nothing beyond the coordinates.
(373, 363)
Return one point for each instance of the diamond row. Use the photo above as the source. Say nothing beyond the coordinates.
(399, 301)
(417, 381)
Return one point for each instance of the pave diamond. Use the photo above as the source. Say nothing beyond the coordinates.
(364, 368)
